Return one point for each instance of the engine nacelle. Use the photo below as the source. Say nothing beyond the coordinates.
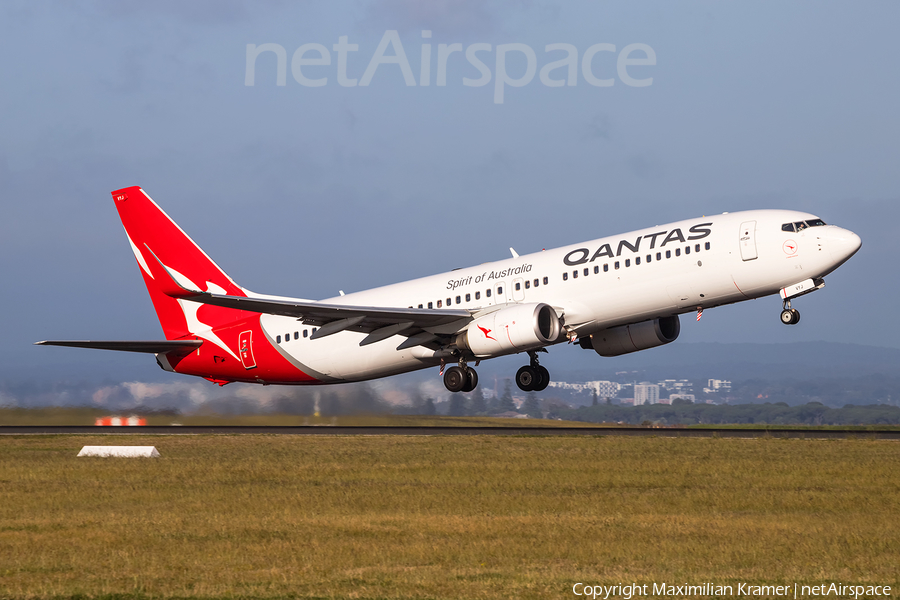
(631, 338)
(512, 329)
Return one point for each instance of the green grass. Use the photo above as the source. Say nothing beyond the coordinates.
(440, 517)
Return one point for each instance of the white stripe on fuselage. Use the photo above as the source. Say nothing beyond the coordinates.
(635, 293)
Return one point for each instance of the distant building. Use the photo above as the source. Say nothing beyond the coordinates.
(714, 386)
(676, 385)
(646, 393)
(604, 389)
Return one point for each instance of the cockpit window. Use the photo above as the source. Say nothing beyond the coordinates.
(801, 225)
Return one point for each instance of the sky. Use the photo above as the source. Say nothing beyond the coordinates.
(300, 190)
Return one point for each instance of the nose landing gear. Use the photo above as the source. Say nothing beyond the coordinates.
(533, 377)
(789, 316)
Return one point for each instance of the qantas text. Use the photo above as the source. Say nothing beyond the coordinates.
(580, 256)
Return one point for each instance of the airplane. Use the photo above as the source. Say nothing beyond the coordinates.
(612, 295)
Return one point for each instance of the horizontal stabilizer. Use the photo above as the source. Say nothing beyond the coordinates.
(150, 347)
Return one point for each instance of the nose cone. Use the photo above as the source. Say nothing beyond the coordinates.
(843, 244)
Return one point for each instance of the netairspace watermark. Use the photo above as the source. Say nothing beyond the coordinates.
(309, 62)
(627, 591)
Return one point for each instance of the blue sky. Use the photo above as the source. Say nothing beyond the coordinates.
(303, 191)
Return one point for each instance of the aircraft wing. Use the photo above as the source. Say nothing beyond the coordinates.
(151, 347)
(419, 324)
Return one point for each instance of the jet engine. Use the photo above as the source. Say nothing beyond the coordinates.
(631, 338)
(513, 329)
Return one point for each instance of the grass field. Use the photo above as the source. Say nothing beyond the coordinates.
(440, 517)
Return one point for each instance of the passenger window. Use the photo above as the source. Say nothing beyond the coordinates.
(616, 264)
(575, 274)
(546, 280)
(596, 269)
(499, 291)
(668, 254)
(314, 329)
(537, 282)
(287, 337)
(439, 305)
(627, 262)
(677, 251)
(277, 339)
(585, 271)
(649, 257)
(468, 297)
(659, 256)
(565, 276)
(687, 249)
(605, 267)
(430, 305)
(707, 245)
(487, 293)
(478, 295)
(518, 286)
(420, 306)
(696, 247)
(458, 300)
(296, 335)
(304, 333)
(637, 260)
(527, 285)
(448, 302)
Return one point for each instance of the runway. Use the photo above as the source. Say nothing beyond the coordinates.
(721, 432)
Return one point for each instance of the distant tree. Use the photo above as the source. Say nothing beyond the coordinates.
(594, 397)
(506, 403)
(477, 403)
(532, 407)
(457, 406)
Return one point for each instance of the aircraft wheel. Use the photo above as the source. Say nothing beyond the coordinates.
(787, 316)
(455, 379)
(471, 380)
(526, 378)
(544, 379)
(796, 318)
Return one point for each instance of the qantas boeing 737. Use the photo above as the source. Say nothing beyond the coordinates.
(613, 295)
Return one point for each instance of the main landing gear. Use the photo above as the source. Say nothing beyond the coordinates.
(789, 316)
(460, 379)
(533, 377)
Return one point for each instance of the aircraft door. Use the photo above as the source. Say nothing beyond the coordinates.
(748, 240)
(518, 291)
(245, 345)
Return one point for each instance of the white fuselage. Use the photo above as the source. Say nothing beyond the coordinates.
(622, 279)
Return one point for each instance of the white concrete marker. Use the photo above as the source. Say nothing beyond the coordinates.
(121, 451)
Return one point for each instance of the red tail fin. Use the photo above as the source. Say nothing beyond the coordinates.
(148, 227)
